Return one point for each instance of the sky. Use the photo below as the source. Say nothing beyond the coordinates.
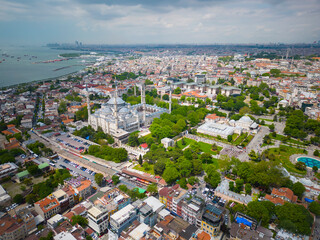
(159, 21)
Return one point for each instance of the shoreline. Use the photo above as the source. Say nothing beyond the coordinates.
(37, 81)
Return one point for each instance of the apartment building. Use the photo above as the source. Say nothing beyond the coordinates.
(47, 207)
(121, 220)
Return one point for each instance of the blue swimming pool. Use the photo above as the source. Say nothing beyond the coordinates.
(310, 162)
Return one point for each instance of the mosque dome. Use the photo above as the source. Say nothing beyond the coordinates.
(117, 100)
(245, 119)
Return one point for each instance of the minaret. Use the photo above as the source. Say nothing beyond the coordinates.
(170, 100)
(88, 104)
(116, 105)
(135, 90)
(143, 102)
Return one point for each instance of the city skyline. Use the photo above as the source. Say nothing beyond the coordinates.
(163, 22)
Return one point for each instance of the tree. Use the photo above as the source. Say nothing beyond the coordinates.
(316, 153)
(193, 180)
(123, 188)
(244, 110)
(300, 166)
(206, 158)
(315, 169)
(183, 183)
(239, 185)
(213, 177)
(253, 156)
(177, 91)
(159, 166)
(165, 97)
(115, 179)
(18, 199)
(248, 188)
(271, 127)
(98, 177)
(229, 138)
(197, 166)
(48, 237)
(62, 107)
(146, 166)
(152, 188)
(77, 219)
(294, 218)
(133, 139)
(314, 207)
(298, 189)
(258, 211)
(214, 147)
(140, 160)
(231, 186)
(33, 169)
(170, 174)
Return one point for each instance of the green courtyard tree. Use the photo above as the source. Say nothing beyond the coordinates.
(98, 177)
(314, 207)
(170, 174)
(77, 219)
(18, 199)
(140, 160)
(248, 188)
(213, 177)
(298, 189)
(152, 188)
(315, 169)
(115, 179)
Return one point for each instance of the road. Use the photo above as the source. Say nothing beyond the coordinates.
(257, 141)
(100, 166)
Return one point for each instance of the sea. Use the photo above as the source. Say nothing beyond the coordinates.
(23, 64)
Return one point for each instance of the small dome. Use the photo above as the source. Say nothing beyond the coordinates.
(124, 110)
(245, 119)
(107, 110)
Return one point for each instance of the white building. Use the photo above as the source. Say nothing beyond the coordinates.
(4, 197)
(167, 142)
(119, 118)
(246, 123)
(121, 220)
(216, 129)
(8, 169)
(98, 218)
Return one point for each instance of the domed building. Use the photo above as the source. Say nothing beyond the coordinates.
(119, 119)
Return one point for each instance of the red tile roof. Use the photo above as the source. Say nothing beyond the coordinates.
(48, 204)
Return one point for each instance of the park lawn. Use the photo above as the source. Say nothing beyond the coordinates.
(204, 147)
(234, 137)
(239, 140)
(187, 142)
(283, 157)
(282, 137)
(265, 119)
(214, 138)
(142, 169)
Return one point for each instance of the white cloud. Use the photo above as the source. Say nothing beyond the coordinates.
(176, 21)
